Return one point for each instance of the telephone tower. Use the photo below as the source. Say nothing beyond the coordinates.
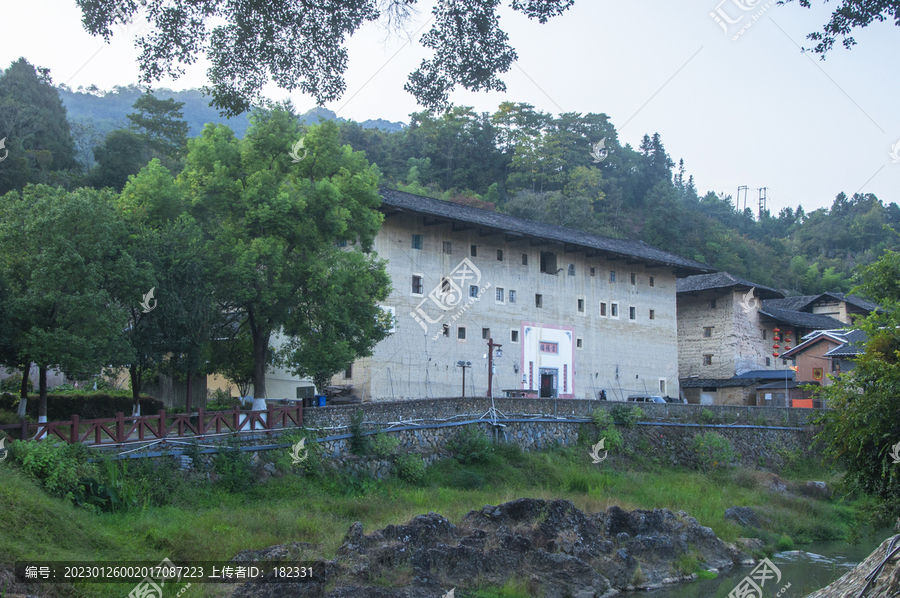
(737, 203)
(762, 201)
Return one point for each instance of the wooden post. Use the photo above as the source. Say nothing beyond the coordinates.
(162, 423)
(270, 416)
(120, 427)
(74, 434)
(187, 399)
(237, 418)
(201, 427)
(300, 413)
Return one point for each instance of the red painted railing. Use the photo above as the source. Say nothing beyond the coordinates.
(122, 429)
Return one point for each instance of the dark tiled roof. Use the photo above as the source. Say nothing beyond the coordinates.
(853, 345)
(781, 385)
(392, 200)
(716, 382)
(801, 319)
(814, 337)
(859, 302)
(791, 303)
(721, 280)
(767, 375)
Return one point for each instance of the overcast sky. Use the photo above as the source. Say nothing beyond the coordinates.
(753, 111)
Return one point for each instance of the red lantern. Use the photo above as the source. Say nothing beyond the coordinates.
(776, 330)
(775, 346)
(775, 353)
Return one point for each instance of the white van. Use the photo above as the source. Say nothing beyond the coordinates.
(645, 399)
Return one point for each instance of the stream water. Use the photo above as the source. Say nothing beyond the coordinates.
(807, 570)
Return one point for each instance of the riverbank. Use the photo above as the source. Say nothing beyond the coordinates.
(239, 505)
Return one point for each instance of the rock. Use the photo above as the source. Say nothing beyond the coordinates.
(743, 516)
(270, 467)
(557, 549)
(818, 490)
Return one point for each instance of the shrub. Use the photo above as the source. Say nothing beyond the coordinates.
(59, 468)
(359, 444)
(626, 415)
(471, 445)
(467, 479)
(713, 451)
(785, 543)
(312, 464)
(234, 467)
(383, 446)
(409, 467)
(707, 417)
(603, 419)
(13, 384)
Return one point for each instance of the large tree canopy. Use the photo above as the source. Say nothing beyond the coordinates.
(849, 15)
(301, 44)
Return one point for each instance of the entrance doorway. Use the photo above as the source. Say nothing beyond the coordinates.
(549, 382)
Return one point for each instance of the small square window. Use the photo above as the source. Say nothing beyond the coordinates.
(474, 250)
(662, 386)
(538, 300)
(633, 278)
(473, 291)
(783, 361)
(707, 360)
(485, 333)
(707, 332)
(500, 295)
(581, 305)
(652, 314)
(513, 336)
(651, 281)
(524, 259)
(447, 330)
(499, 255)
(632, 313)
(417, 286)
(602, 309)
(768, 361)
(571, 269)
(578, 344)
(448, 247)
(593, 270)
(417, 242)
(712, 303)
(348, 373)
(612, 276)
(512, 296)
(461, 333)
(614, 310)
(764, 333)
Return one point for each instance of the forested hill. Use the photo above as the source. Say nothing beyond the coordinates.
(108, 111)
(517, 160)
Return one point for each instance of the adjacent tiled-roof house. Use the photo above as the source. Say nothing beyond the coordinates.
(727, 338)
(825, 352)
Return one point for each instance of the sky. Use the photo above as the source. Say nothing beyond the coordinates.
(752, 111)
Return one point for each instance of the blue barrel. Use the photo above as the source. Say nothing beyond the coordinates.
(320, 400)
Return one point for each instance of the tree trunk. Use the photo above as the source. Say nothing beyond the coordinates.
(23, 391)
(260, 352)
(42, 393)
(135, 376)
(187, 399)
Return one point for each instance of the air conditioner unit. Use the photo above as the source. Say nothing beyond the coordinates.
(305, 392)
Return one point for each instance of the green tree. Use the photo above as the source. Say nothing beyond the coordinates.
(62, 255)
(33, 122)
(122, 154)
(160, 122)
(863, 423)
(302, 44)
(269, 222)
(849, 15)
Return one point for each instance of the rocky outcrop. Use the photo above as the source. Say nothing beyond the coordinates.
(550, 547)
(882, 567)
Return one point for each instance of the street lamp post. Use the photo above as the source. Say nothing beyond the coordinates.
(464, 365)
(491, 345)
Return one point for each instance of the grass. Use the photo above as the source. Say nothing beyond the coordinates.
(205, 521)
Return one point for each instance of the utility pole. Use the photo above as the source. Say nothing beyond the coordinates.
(464, 365)
(737, 204)
(762, 201)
